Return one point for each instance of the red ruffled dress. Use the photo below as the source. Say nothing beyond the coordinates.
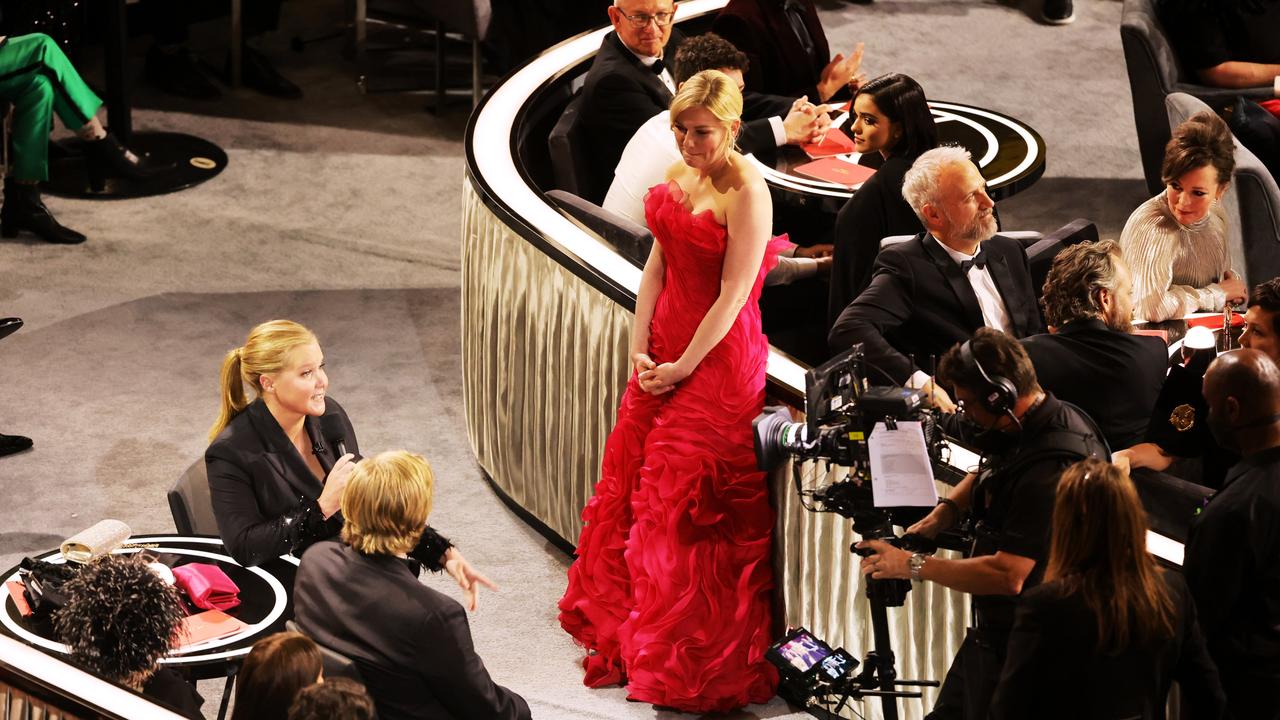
(671, 591)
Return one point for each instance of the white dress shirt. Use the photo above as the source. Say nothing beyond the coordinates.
(644, 163)
(647, 61)
(994, 313)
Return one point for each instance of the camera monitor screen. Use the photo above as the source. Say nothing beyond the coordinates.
(837, 665)
(800, 650)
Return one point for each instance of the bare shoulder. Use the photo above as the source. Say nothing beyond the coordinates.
(743, 179)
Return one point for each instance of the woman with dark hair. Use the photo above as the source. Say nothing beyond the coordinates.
(119, 620)
(1176, 242)
(1107, 631)
(277, 668)
(891, 119)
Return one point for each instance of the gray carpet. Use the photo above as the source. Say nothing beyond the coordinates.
(342, 211)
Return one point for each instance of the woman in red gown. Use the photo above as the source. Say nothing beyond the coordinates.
(671, 591)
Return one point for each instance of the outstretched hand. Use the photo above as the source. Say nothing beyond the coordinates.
(467, 577)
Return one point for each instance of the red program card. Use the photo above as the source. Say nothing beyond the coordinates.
(207, 625)
(16, 591)
(835, 143)
(837, 171)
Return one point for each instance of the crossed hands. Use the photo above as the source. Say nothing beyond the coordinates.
(656, 379)
(806, 122)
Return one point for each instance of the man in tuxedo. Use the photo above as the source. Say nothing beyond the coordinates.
(1232, 562)
(787, 48)
(1090, 357)
(628, 82)
(935, 290)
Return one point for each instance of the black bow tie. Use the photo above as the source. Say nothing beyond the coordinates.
(979, 261)
(657, 67)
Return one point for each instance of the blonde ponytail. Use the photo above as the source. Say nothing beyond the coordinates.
(265, 351)
(231, 396)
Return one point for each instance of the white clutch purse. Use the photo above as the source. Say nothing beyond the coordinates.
(96, 540)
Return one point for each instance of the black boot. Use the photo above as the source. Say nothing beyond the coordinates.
(108, 158)
(23, 210)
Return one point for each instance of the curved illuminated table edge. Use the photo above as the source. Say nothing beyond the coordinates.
(504, 188)
(1028, 170)
(182, 656)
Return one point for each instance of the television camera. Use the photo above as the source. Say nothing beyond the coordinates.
(841, 411)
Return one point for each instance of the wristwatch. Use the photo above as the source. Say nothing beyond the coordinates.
(916, 562)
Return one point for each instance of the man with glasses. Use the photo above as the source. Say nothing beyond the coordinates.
(628, 83)
(1026, 437)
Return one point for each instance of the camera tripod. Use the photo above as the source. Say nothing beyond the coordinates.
(879, 676)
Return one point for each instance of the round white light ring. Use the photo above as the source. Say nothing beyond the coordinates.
(1033, 148)
(993, 145)
(182, 656)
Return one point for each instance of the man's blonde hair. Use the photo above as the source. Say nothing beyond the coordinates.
(387, 502)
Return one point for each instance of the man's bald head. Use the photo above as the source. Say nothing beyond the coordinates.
(1243, 386)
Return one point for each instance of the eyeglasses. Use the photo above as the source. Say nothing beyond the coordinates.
(641, 20)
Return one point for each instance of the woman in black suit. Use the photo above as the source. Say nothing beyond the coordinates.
(891, 120)
(275, 477)
(1107, 632)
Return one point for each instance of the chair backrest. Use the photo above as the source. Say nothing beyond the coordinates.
(1153, 73)
(568, 151)
(632, 240)
(1252, 203)
(190, 502)
(1041, 253)
(335, 664)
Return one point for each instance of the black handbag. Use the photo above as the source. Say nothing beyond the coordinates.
(44, 584)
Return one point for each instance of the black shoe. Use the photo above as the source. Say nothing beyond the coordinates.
(258, 73)
(10, 444)
(23, 210)
(1058, 12)
(178, 73)
(108, 158)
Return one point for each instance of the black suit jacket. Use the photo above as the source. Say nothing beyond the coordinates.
(876, 211)
(257, 476)
(411, 643)
(1115, 377)
(778, 62)
(919, 305)
(264, 495)
(757, 132)
(618, 96)
(1053, 670)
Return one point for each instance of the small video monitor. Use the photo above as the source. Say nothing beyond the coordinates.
(836, 666)
(798, 653)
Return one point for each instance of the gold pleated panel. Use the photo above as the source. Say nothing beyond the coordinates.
(17, 705)
(545, 363)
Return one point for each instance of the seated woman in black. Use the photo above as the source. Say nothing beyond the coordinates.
(890, 119)
(1107, 631)
(275, 478)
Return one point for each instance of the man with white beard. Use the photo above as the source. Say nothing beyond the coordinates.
(935, 290)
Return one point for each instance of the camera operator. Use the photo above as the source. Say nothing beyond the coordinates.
(1027, 437)
(1232, 560)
